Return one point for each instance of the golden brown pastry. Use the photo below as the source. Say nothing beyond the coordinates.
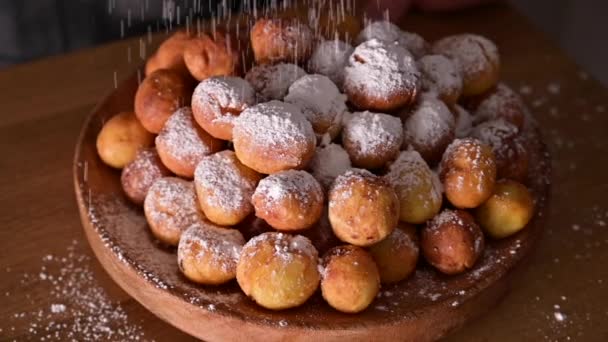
(208, 254)
(381, 76)
(224, 187)
(363, 208)
(289, 200)
(278, 271)
(159, 95)
(170, 208)
(477, 58)
(211, 55)
(397, 255)
(350, 279)
(452, 241)
(272, 137)
(217, 101)
(417, 187)
(139, 175)
(280, 40)
(181, 144)
(372, 139)
(120, 138)
(507, 211)
(442, 77)
(468, 172)
(429, 128)
(170, 54)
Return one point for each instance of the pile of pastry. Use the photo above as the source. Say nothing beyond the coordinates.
(323, 165)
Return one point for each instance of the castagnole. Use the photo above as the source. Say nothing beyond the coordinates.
(120, 138)
(280, 40)
(138, 176)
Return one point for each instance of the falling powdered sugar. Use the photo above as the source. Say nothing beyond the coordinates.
(329, 58)
(271, 82)
(388, 32)
(224, 95)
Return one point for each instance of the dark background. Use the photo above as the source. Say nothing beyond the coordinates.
(32, 29)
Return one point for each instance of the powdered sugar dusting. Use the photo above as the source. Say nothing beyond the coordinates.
(439, 75)
(329, 58)
(296, 184)
(224, 95)
(329, 162)
(139, 175)
(221, 183)
(472, 53)
(502, 100)
(408, 171)
(380, 70)
(285, 245)
(388, 32)
(373, 133)
(429, 124)
(271, 82)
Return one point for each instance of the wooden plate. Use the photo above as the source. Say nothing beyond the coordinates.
(425, 307)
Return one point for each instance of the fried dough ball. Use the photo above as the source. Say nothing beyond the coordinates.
(329, 162)
(417, 187)
(280, 40)
(507, 211)
(363, 208)
(159, 95)
(329, 58)
(271, 82)
(452, 242)
(217, 101)
(120, 138)
(372, 139)
(468, 172)
(350, 279)
(508, 147)
(289, 200)
(170, 208)
(208, 254)
(211, 55)
(320, 101)
(224, 187)
(381, 76)
(501, 102)
(272, 137)
(391, 33)
(429, 128)
(441, 76)
(477, 58)
(139, 175)
(181, 144)
(397, 255)
(170, 54)
(278, 271)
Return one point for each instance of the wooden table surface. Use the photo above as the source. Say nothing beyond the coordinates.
(51, 286)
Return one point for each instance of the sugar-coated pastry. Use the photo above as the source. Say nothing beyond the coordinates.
(217, 101)
(468, 172)
(391, 33)
(429, 128)
(289, 200)
(139, 175)
(224, 187)
(381, 76)
(159, 95)
(208, 254)
(350, 279)
(507, 211)
(271, 82)
(329, 58)
(280, 40)
(452, 241)
(170, 54)
(508, 147)
(278, 271)
(477, 58)
(181, 144)
(417, 187)
(211, 55)
(464, 121)
(363, 208)
(397, 255)
(329, 162)
(320, 101)
(441, 76)
(120, 138)
(170, 208)
(501, 103)
(272, 137)
(372, 139)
